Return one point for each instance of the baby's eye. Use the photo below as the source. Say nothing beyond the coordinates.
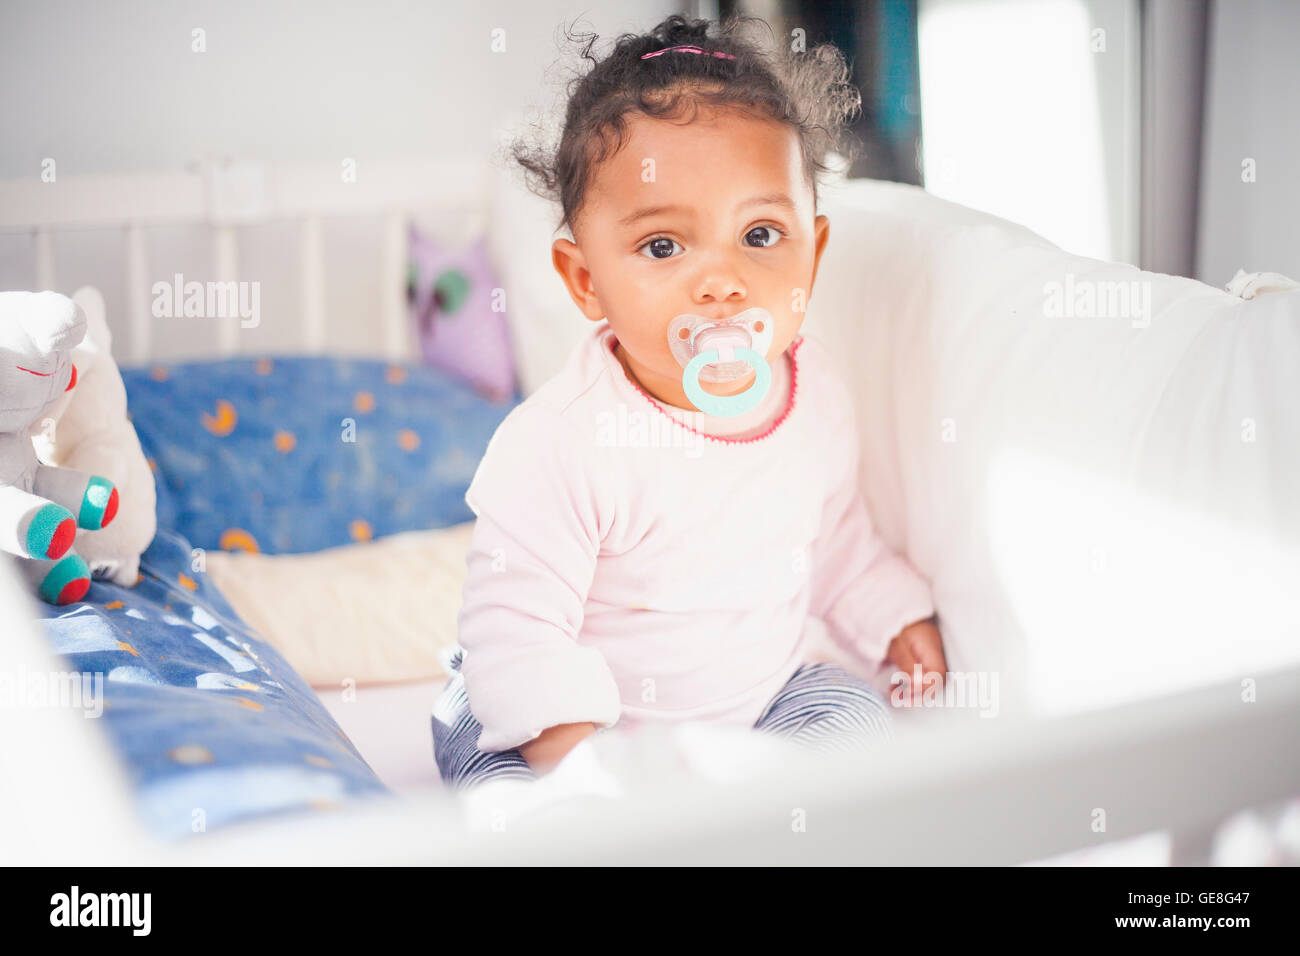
(662, 244)
(766, 236)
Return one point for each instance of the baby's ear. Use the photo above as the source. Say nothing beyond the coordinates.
(821, 237)
(571, 264)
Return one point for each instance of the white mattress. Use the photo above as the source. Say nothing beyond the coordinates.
(389, 724)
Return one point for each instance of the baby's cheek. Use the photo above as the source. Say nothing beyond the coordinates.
(787, 328)
(653, 348)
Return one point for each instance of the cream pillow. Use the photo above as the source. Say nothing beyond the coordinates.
(374, 612)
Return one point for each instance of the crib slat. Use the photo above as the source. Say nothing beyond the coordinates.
(313, 286)
(392, 285)
(138, 293)
(225, 268)
(44, 249)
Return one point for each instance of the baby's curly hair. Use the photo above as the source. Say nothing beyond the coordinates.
(810, 91)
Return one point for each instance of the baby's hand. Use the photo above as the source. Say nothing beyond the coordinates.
(919, 644)
(544, 752)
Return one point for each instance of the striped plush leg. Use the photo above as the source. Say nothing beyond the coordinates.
(32, 527)
(58, 582)
(91, 498)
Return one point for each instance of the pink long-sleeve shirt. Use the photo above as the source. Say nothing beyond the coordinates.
(636, 561)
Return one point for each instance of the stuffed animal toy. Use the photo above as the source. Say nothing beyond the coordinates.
(41, 506)
(90, 432)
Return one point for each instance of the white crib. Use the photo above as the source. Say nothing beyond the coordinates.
(954, 792)
(216, 204)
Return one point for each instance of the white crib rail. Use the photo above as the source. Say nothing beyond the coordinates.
(1003, 791)
(223, 196)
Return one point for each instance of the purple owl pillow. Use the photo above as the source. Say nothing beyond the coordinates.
(457, 306)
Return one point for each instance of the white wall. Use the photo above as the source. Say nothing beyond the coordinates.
(116, 87)
(107, 87)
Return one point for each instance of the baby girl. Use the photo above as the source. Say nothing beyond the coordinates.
(612, 579)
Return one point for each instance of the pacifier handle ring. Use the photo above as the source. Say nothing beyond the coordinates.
(726, 406)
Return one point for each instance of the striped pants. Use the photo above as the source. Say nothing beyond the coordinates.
(821, 706)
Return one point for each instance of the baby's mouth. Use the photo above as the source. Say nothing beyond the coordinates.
(723, 371)
(720, 351)
(690, 334)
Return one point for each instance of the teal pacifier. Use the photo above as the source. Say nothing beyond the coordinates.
(723, 351)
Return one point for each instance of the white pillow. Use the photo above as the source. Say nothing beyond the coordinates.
(545, 324)
(373, 612)
(1106, 505)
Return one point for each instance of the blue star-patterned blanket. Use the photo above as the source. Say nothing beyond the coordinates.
(212, 724)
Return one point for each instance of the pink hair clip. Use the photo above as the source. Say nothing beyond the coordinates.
(687, 48)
